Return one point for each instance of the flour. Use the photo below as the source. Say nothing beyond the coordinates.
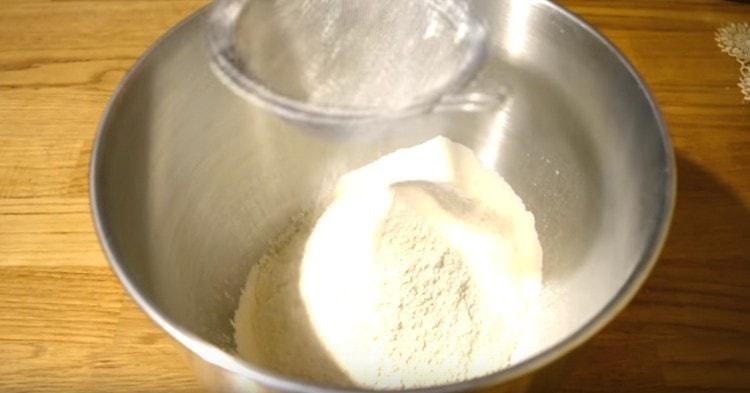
(421, 271)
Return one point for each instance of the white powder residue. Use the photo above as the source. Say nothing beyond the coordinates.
(421, 271)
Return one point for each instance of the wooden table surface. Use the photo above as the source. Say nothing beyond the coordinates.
(66, 325)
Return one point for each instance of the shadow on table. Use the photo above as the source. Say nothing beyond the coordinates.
(693, 306)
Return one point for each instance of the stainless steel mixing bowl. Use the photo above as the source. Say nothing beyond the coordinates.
(189, 182)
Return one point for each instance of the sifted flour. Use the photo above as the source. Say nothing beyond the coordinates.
(421, 271)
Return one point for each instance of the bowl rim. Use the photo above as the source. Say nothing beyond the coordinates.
(219, 358)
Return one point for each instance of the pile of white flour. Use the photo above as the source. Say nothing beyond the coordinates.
(421, 271)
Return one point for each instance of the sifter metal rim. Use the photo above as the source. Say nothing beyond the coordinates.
(221, 21)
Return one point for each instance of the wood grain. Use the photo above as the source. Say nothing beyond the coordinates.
(66, 325)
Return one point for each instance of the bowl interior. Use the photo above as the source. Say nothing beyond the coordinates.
(190, 182)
